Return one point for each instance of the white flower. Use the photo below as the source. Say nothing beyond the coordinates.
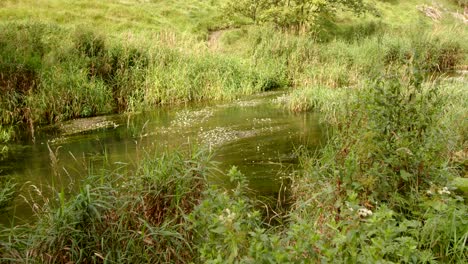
(444, 191)
(227, 216)
(429, 192)
(364, 212)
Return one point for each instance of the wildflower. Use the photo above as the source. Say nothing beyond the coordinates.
(444, 191)
(364, 212)
(227, 216)
(429, 192)
(230, 216)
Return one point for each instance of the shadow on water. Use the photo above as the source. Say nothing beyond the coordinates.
(253, 134)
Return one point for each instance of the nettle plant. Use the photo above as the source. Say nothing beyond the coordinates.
(402, 124)
(224, 221)
(390, 141)
(403, 117)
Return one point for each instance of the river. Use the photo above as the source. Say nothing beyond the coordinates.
(253, 133)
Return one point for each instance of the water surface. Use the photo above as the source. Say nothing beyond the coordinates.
(253, 134)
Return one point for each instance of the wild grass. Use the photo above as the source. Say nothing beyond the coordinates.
(343, 63)
(7, 192)
(119, 18)
(139, 216)
(378, 191)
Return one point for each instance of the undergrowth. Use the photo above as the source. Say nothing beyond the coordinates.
(138, 216)
(380, 189)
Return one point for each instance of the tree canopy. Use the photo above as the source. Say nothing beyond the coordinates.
(292, 14)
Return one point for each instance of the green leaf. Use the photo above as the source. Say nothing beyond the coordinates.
(405, 175)
(219, 230)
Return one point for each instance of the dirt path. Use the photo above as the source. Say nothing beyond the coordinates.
(214, 39)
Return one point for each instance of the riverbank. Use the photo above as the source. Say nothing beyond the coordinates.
(88, 75)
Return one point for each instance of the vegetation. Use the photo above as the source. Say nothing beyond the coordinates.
(7, 193)
(293, 14)
(388, 186)
(87, 76)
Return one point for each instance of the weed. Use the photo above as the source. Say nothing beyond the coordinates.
(7, 192)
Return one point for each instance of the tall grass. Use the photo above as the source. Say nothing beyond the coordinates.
(119, 18)
(340, 62)
(378, 191)
(118, 217)
(7, 192)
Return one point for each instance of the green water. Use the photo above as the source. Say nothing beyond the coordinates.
(253, 134)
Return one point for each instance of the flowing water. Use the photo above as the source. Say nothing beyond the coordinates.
(253, 134)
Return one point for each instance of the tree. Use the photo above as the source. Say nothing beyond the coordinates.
(292, 14)
(247, 8)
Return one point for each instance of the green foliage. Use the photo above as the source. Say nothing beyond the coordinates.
(386, 236)
(251, 9)
(7, 192)
(461, 3)
(376, 190)
(292, 14)
(402, 118)
(228, 229)
(120, 216)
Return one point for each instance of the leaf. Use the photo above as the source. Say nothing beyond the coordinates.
(219, 230)
(405, 175)
(461, 184)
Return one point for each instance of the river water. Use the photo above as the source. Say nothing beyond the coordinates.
(253, 133)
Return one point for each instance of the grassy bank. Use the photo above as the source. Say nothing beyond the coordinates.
(383, 182)
(147, 56)
(51, 74)
(118, 18)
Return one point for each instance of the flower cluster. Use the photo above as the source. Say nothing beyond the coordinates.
(444, 191)
(227, 216)
(364, 212)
